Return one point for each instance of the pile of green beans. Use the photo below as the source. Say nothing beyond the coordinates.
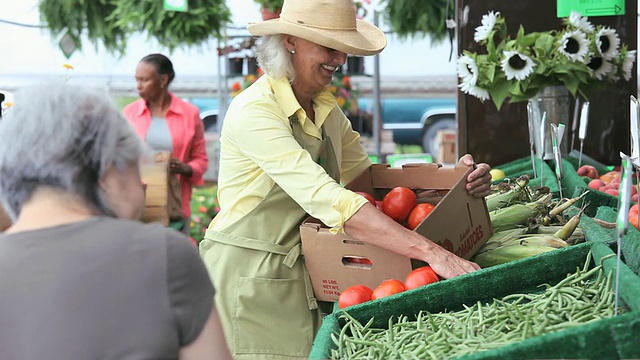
(581, 297)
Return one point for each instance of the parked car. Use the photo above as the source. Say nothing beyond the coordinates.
(209, 110)
(415, 121)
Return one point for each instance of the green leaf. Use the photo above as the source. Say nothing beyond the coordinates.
(500, 91)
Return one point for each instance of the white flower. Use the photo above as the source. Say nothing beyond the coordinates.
(613, 73)
(580, 22)
(627, 64)
(488, 23)
(467, 69)
(607, 43)
(574, 45)
(516, 65)
(599, 67)
(473, 90)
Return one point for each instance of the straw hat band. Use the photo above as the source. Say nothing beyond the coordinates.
(332, 27)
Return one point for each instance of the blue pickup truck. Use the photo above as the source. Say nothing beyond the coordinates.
(413, 121)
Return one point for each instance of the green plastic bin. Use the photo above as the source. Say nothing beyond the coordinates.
(604, 339)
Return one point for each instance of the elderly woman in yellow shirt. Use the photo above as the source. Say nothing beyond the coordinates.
(285, 149)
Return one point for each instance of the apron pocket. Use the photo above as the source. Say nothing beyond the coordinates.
(272, 317)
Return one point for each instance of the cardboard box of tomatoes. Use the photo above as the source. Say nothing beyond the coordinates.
(459, 223)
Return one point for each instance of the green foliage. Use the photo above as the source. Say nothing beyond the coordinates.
(84, 17)
(410, 18)
(109, 22)
(173, 29)
(204, 207)
(271, 5)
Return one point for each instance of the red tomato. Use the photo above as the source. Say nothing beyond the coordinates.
(387, 288)
(380, 205)
(368, 197)
(420, 276)
(353, 295)
(418, 214)
(358, 260)
(399, 202)
(633, 220)
(633, 209)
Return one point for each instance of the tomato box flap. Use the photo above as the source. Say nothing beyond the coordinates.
(459, 222)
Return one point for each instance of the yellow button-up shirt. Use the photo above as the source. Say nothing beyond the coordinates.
(257, 149)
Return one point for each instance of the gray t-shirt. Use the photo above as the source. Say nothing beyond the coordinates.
(101, 288)
(159, 136)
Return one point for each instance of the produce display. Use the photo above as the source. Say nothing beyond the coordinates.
(526, 222)
(582, 297)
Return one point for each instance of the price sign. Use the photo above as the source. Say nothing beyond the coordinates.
(175, 5)
(590, 7)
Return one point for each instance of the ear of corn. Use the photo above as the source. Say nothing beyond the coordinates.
(544, 240)
(505, 254)
(503, 199)
(518, 214)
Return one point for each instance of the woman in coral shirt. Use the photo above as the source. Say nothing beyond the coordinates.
(167, 123)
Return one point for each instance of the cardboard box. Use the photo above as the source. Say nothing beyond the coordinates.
(459, 223)
(156, 175)
(447, 151)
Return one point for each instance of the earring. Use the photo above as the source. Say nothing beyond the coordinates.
(292, 51)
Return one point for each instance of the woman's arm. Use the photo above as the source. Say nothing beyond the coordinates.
(374, 227)
(210, 344)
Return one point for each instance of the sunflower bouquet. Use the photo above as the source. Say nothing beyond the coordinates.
(579, 56)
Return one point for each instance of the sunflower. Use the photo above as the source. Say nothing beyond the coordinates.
(599, 67)
(607, 43)
(574, 45)
(473, 90)
(627, 63)
(580, 22)
(467, 69)
(488, 23)
(516, 65)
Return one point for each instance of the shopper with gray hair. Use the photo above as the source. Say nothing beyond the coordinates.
(81, 278)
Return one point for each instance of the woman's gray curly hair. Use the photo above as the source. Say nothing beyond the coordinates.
(274, 58)
(65, 137)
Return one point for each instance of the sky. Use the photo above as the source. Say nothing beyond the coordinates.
(32, 51)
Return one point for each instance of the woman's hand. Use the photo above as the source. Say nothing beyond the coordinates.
(178, 167)
(479, 181)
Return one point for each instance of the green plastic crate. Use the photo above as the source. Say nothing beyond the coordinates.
(630, 241)
(523, 166)
(609, 338)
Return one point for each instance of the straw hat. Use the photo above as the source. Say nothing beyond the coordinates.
(330, 23)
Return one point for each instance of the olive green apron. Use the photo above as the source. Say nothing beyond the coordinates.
(263, 290)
